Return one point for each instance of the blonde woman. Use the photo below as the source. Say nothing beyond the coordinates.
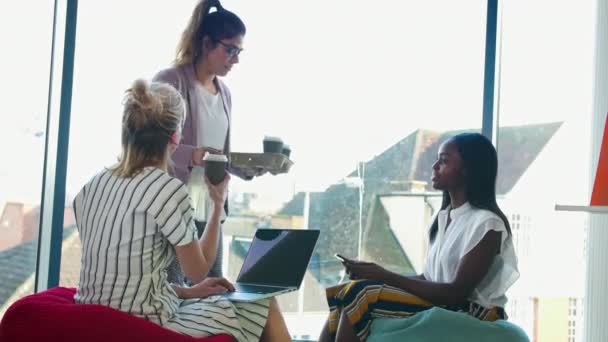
(134, 219)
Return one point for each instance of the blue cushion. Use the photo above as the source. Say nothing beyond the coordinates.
(437, 324)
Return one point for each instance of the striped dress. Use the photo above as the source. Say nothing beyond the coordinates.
(128, 228)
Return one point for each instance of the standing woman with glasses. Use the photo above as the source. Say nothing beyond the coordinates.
(209, 48)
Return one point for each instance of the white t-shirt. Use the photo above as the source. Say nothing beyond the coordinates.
(213, 123)
(468, 226)
(212, 132)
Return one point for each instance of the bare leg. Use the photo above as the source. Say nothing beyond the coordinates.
(345, 332)
(275, 329)
(325, 335)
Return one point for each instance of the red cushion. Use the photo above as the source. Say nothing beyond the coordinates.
(52, 315)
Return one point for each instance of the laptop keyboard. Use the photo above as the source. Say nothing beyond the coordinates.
(255, 288)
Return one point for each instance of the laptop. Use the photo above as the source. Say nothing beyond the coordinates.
(275, 263)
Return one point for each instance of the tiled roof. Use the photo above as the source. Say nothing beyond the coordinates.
(518, 147)
(335, 211)
(18, 264)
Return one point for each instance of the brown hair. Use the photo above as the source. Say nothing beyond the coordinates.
(152, 113)
(218, 25)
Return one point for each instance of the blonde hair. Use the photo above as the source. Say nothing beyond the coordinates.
(152, 114)
(221, 24)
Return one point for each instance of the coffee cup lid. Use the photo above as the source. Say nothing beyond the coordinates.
(215, 157)
(271, 138)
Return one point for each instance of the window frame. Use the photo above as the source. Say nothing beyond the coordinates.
(56, 145)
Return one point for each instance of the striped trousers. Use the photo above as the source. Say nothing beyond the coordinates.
(364, 300)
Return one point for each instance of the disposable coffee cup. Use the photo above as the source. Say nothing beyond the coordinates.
(273, 145)
(215, 167)
(286, 150)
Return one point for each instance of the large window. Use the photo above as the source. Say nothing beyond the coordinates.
(108, 58)
(544, 118)
(24, 66)
(363, 93)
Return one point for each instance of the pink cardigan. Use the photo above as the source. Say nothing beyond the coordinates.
(183, 78)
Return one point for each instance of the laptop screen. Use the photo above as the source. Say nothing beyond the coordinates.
(278, 257)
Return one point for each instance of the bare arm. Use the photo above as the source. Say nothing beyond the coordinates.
(192, 261)
(471, 270)
(197, 257)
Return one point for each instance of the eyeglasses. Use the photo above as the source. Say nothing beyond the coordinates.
(231, 50)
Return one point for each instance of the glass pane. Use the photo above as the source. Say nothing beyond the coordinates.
(108, 59)
(25, 63)
(544, 151)
(375, 88)
(354, 90)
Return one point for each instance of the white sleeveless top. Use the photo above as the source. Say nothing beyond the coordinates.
(468, 226)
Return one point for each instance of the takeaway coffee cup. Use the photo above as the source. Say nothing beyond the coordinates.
(286, 150)
(215, 167)
(273, 145)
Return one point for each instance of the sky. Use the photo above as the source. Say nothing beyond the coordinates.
(340, 81)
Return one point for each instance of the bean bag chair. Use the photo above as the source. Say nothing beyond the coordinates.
(52, 315)
(439, 325)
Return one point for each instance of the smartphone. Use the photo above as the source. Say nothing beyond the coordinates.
(340, 257)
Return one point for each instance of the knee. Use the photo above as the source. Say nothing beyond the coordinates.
(360, 289)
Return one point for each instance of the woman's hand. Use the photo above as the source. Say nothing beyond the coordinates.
(210, 287)
(365, 270)
(199, 153)
(218, 192)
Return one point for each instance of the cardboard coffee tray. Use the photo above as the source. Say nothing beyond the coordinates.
(274, 163)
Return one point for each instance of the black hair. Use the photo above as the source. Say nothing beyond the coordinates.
(481, 164)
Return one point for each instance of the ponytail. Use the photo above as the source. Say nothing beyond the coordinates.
(216, 25)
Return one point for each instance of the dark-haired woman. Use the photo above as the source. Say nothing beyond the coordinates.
(209, 48)
(471, 260)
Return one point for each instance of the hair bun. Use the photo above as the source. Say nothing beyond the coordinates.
(142, 105)
(152, 113)
(139, 90)
(140, 96)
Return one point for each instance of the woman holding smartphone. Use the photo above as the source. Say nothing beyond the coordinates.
(471, 260)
